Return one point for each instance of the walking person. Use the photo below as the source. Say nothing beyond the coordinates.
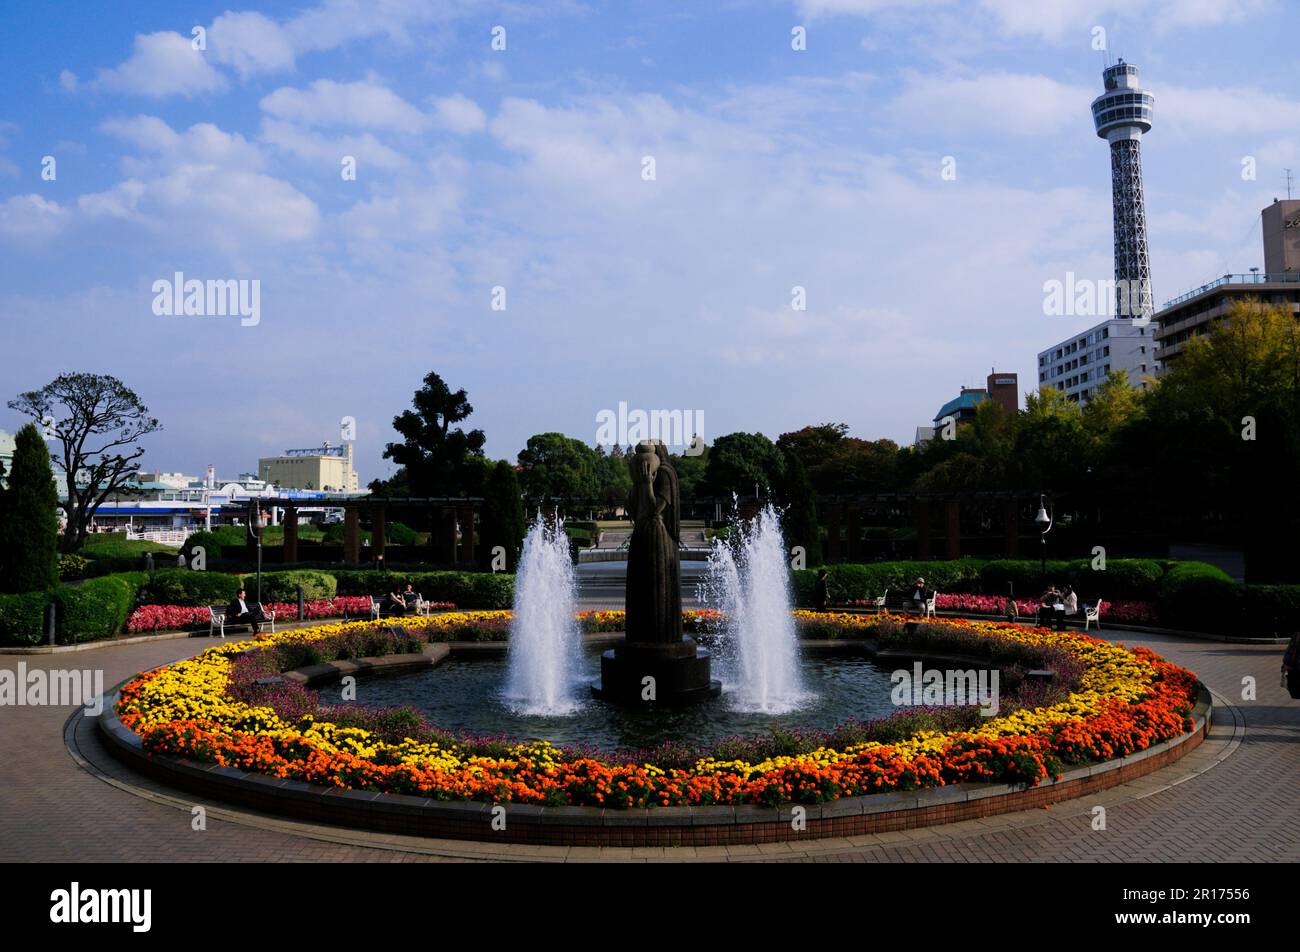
(821, 594)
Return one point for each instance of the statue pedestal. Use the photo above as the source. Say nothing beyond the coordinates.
(680, 671)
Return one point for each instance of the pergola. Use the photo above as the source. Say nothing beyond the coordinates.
(452, 519)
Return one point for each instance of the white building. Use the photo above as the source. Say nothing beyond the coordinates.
(1079, 363)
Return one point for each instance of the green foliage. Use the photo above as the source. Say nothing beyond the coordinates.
(29, 522)
(502, 522)
(399, 533)
(471, 590)
(436, 457)
(740, 461)
(800, 520)
(22, 618)
(215, 543)
(187, 587)
(283, 586)
(1272, 610)
(553, 466)
(96, 608)
(72, 567)
(852, 581)
(115, 545)
(1200, 597)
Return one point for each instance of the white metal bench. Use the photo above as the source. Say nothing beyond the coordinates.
(217, 620)
(377, 607)
(1092, 615)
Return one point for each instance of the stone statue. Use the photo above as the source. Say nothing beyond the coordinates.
(654, 596)
(654, 665)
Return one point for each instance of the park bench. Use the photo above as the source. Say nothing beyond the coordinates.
(899, 601)
(377, 609)
(217, 620)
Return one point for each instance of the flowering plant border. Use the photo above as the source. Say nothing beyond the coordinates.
(1127, 701)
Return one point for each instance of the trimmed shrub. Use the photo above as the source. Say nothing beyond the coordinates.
(463, 589)
(72, 567)
(97, 608)
(1200, 597)
(22, 618)
(1272, 609)
(1026, 575)
(399, 533)
(187, 587)
(216, 541)
(283, 586)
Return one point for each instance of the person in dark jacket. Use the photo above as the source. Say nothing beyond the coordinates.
(1291, 667)
(241, 612)
(821, 595)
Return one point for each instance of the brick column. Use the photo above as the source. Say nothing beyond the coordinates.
(378, 531)
(922, 507)
(351, 535)
(467, 534)
(952, 528)
(832, 515)
(290, 534)
(1011, 519)
(854, 526)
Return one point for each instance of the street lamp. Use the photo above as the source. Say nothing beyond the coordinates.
(256, 523)
(1043, 519)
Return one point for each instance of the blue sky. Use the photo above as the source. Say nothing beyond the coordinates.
(522, 168)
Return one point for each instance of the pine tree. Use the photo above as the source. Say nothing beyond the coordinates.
(29, 524)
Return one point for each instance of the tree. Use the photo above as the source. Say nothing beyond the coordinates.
(503, 522)
(739, 462)
(800, 520)
(98, 425)
(555, 466)
(436, 456)
(613, 477)
(690, 472)
(29, 524)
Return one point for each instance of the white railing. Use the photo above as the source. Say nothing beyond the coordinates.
(174, 537)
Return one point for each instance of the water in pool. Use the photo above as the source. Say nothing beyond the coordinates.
(467, 694)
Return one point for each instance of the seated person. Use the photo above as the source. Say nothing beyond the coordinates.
(395, 604)
(1047, 606)
(411, 598)
(1070, 599)
(919, 594)
(240, 612)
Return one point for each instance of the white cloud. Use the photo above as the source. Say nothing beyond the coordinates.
(361, 104)
(250, 44)
(459, 114)
(68, 81)
(997, 103)
(30, 217)
(315, 147)
(1223, 111)
(211, 180)
(163, 64)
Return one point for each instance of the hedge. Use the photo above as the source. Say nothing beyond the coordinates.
(1272, 609)
(22, 618)
(283, 586)
(1200, 597)
(464, 589)
(97, 608)
(188, 587)
(1122, 579)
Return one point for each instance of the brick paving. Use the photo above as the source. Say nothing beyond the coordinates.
(1231, 800)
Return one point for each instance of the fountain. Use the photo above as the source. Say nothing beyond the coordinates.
(545, 650)
(655, 665)
(749, 582)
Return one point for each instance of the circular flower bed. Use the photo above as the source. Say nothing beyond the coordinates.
(1123, 700)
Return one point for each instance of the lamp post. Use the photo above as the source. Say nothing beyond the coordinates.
(257, 522)
(1043, 519)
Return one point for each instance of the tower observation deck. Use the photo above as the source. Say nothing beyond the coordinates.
(1122, 115)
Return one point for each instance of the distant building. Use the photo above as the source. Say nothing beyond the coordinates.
(6, 455)
(1192, 314)
(1002, 388)
(324, 467)
(1079, 363)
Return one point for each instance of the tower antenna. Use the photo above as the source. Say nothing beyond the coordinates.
(1290, 180)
